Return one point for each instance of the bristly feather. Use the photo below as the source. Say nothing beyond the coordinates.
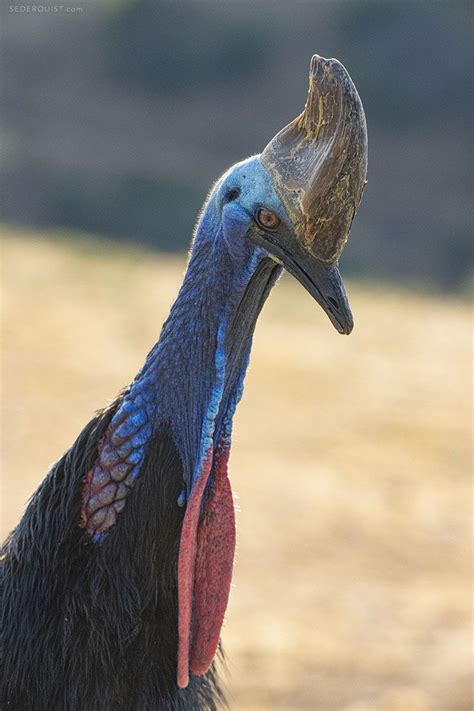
(80, 615)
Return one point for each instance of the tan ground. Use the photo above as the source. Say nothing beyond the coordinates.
(350, 459)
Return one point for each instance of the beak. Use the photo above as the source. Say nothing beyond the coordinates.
(325, 285)
(318, 168)
(323, 281)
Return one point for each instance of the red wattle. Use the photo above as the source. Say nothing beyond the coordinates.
(186, 564)
(213, 571)
(205, 562)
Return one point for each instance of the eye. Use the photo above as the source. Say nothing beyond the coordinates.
(266, 219)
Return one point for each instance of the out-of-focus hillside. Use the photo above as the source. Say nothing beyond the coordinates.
(350, 460)
(116, 118)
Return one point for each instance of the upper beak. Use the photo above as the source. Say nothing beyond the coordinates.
(318, 167)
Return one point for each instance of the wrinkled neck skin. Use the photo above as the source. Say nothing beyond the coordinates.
(194, 375)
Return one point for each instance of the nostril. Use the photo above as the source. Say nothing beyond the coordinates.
(333, 302)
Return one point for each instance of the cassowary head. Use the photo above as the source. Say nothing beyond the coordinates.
(297, 199)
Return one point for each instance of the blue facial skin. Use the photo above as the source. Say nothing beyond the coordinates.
(185, 383)
(256, 191)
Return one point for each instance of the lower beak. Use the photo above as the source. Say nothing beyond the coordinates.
(322, 280)
(324, 283)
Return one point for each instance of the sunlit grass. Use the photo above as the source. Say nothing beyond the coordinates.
(350, 460)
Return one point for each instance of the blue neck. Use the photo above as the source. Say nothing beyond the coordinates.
(193, 377)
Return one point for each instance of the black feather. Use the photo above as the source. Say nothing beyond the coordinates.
(94, 627)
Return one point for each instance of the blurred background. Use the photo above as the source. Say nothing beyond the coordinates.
(351, 456)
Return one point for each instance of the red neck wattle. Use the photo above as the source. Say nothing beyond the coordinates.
(206, 557)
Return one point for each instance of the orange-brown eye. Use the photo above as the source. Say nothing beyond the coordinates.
(267, 219)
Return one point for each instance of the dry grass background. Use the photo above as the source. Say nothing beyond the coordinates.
(350, 460)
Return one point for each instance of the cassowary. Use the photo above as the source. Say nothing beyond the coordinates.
(116, 580)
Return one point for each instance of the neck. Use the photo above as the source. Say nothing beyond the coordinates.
(196, 369)
(193, 377)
